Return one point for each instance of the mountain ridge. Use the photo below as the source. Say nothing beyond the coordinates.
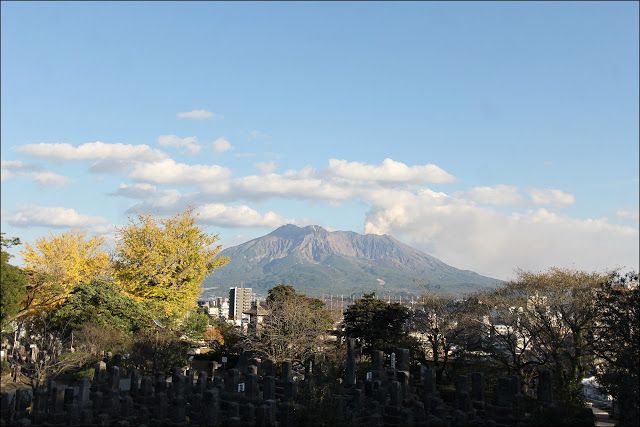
(317, 261)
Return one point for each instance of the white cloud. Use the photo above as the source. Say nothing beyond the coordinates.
(196, 115)
(496, 195)
(390, 171)
(9, 168)
(626, 214)
(298, 185)
(171, 172)
(551, 197)
(94, 151)
(190, 143)
(221, 145)
(238, 216)
(154, 199)
(481, 239)
(266, 167)
(49, 178)
(54, 217)
(135, 191)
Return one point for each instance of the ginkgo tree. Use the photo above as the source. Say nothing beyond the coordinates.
(56, 264)
(164, 261)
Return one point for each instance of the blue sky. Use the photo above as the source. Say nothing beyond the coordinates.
(527, 114)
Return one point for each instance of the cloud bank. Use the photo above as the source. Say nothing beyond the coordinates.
(54, 217)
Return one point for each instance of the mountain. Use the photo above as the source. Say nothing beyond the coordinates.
(317, 261)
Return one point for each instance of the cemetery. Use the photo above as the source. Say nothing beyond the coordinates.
(262, 393)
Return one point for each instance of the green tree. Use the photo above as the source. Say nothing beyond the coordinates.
(617, 343)
(281, 293)
(102, 303)
(378, 325)
(13, 283)
(164, 262)
(195, 325)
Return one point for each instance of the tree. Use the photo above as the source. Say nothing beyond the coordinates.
(510, 335)
(158, 350)
(213, 337)
(281, 292)
(13, 283)
(108, 307)
(195, 325)
(294, 327)
(617, 343)
(224, 337)
(443, 321)
(560, 312)
(164, 262)
(57, 264)
(377, 324)
(52, 353)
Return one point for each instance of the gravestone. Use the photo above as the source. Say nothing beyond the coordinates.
(477, 386)
(114, 378)
(134, 382)
(286, 373)
(378, 364)
(544, 391)
(268, 368)
(232, 380)
(211, 407)
(251, 383)
(350, 374)
(504, 392)
(269, 388)
(402, 359)
(84, 390)
(201, 385)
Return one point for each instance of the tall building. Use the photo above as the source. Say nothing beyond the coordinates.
(239, 302)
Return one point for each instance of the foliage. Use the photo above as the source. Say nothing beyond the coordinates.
(557, 312)
(213, 337)
(88, 373)
(618, 342)
(57, 264)
(13, 283)
(158, 351)
(281, 293)
(195, 325)
(444, 322)
(96, 339)
(102, 303)
(232, 338)
(164, 262)
(293, 327)
(377, 324)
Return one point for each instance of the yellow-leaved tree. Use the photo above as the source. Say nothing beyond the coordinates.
(163, 262)
(56, 264)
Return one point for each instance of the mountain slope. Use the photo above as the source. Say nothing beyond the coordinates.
(317, 262)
